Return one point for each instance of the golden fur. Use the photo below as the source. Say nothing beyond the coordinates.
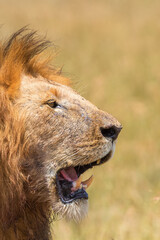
(36, 140)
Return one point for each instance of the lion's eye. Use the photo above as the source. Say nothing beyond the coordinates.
(52, 103)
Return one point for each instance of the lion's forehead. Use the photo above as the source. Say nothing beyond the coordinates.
(44, 89)
(41, 85)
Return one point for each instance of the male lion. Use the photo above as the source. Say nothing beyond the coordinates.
(49, 136)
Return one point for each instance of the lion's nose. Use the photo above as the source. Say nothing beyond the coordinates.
(111, 132)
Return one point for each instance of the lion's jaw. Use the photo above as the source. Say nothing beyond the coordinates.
(67, 133)
(76, 210)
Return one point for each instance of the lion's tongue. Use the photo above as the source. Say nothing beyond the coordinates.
(69, 174)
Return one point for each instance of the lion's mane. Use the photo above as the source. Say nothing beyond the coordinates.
(21, 54)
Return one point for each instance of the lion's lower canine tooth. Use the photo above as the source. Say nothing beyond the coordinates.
(88, 182)
(76, 184)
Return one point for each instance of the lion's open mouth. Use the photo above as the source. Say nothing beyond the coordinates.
(69, 183)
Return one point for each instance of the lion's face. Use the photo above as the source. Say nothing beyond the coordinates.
(67, 135)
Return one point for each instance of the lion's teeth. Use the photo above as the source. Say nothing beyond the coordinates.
(76, 184)
(98, 161)
(88, 182)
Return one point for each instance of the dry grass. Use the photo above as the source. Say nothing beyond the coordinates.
(112, 48)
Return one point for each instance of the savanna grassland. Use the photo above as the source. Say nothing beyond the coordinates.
(111, 50)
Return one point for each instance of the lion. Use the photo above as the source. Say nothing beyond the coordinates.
(49, 136)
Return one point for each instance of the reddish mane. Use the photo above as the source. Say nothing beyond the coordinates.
(23, 53)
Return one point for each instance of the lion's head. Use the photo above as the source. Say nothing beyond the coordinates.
(68, 135)
(64, 134)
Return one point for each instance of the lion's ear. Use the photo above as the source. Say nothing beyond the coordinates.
(11, 65)
(10, 70)
(10, 75)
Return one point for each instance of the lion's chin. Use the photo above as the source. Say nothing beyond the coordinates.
(76, 210)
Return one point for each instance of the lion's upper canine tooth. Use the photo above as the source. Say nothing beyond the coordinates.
(76, 184)
(88, 182)
(98, 161)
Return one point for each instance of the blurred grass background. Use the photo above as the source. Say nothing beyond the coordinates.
(112, 49)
